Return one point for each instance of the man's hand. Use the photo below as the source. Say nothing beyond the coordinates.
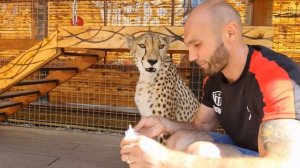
(151, 126)
(141, 151)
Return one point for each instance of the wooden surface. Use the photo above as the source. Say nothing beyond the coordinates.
(40, 148)
(111, 38)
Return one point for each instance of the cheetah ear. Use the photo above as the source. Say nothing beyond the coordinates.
(129, 40)
(169, 39)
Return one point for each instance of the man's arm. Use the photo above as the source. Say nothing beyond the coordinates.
(205, 120)
(280, 139)
(279, 146)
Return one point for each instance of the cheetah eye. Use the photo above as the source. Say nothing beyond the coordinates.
(161, 46)
(142, 45)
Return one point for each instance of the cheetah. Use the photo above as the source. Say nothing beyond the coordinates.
(160, 90)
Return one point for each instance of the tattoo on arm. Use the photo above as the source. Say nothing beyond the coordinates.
(280, 138)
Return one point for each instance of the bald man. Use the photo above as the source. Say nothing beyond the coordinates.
(252, 91)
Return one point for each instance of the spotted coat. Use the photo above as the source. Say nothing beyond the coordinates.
(160, 90)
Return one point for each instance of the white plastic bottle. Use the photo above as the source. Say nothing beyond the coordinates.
(130, 132)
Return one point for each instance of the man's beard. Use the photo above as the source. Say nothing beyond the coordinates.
(217, 62)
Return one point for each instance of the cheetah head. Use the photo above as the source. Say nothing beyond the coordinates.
(149, 51)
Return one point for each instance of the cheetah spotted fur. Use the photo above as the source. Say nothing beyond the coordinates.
(160, 90)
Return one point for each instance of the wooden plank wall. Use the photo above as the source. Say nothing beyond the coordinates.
(20, 19)
(8, 55)
(15, 20)
(60, 13)
(121, 13)
(286, 22)
(112, 85)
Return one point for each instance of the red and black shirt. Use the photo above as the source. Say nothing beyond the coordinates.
(268, 89)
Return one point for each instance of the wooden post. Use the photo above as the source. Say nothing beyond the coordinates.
(262, 13)
(105, 12)
(248, 13)
(172, 12)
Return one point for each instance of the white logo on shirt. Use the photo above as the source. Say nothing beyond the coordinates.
(249, 113)
(218, 101)
(217, 97)
(217, 109)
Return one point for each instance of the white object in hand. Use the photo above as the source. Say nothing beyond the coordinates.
(130, 132)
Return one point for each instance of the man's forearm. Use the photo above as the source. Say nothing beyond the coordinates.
(182, 160)
(174, 126)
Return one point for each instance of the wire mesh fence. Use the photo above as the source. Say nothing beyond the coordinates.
(101, 97)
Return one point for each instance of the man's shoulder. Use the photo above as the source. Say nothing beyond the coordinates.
(268, 53)
(266, 61)
(272, 55)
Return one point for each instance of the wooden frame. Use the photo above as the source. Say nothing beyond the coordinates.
(111, 38)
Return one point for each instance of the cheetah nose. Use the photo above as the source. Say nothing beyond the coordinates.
(152, 62)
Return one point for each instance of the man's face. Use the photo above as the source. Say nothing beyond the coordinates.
(217, 61)
(204, 41)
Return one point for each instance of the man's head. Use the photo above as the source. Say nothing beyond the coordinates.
(211, 31)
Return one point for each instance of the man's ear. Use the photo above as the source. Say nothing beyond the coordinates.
(129, 40)
(231, 31)
(169, 39)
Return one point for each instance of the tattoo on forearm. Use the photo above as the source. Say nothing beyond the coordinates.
(280, 137)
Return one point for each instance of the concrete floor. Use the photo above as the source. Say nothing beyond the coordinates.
(37, 148)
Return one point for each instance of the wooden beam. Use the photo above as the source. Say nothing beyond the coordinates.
(258, 35)
(34, 19)
(112, 37)
(17, 44)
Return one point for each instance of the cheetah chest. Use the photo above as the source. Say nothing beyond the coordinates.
(144, 98)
